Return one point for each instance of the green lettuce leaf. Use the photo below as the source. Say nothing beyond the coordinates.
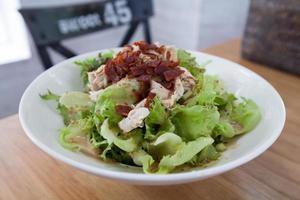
(193, 122)
(141, 158)
(220, 147)
(225, 129)
(98, 119)
(75, 105)
(157, 122)
(209, 153)
(150, 132)
(119, 155)
(225, 101)
(127, 145)
(153, 131)
(72, 106)
(184, 154)
(75, 99)
(106, 151)
(66, 114)
(107, 109)
(167, 126)
(189, 62)
(207, 93)
(165, 144)
(158, 113)
(50, 96)
(123, 93)
(247, 114)
(97, 140)
(74, 136)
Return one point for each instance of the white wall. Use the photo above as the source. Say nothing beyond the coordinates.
(14, 45)
(221, 20)
(190, 24)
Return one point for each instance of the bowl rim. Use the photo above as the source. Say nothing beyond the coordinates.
(180, 177)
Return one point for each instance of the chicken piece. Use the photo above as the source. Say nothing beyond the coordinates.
(176, 95)
(178, 89)
(187, 79)
(168, 98)
(135, 48)
(160, 91)
(97, 79)
(134, 119)
(145, 58)
(170, 53)
(149, 56)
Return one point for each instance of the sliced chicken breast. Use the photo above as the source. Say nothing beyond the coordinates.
(134, 119)
(97, 79)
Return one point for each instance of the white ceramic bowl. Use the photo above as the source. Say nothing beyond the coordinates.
(41, 122)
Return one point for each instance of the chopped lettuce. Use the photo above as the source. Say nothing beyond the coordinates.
(72, 106)
(141, 158)
(119, 155)
(97, 140)
(66, 114)
(189, 62)
(158, 113)
(247, 114)
(209, 153)
(157, 122)
(225, 129)
(121, 93)
(193, 122)
(75, 99)
(50, 96)
(150, 132)
(208, 92)
(184, 154)
(167, 126)
(107, 110)
(128, 145)
(73, 136)
(165, 144)
(113, 95)
(98, 119)
(220, 147)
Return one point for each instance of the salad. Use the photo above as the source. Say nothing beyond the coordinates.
(151, 106)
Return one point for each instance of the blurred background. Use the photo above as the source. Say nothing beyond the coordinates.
(190, 24)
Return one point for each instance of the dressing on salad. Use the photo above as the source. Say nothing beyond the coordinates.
(151, 105)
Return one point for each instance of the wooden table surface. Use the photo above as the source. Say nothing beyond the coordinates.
(28, 173)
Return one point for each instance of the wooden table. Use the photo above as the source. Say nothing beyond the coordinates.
(28, 173)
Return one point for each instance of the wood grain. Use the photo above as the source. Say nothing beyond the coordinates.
(28, 173)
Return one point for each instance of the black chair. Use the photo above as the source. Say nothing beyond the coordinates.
(49, 26)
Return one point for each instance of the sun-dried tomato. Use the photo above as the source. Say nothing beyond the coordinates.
(149, 99)
(123, 110)
(144, 78)
(131, 64)
(137, 71)
(143, 90)
(172, 74)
